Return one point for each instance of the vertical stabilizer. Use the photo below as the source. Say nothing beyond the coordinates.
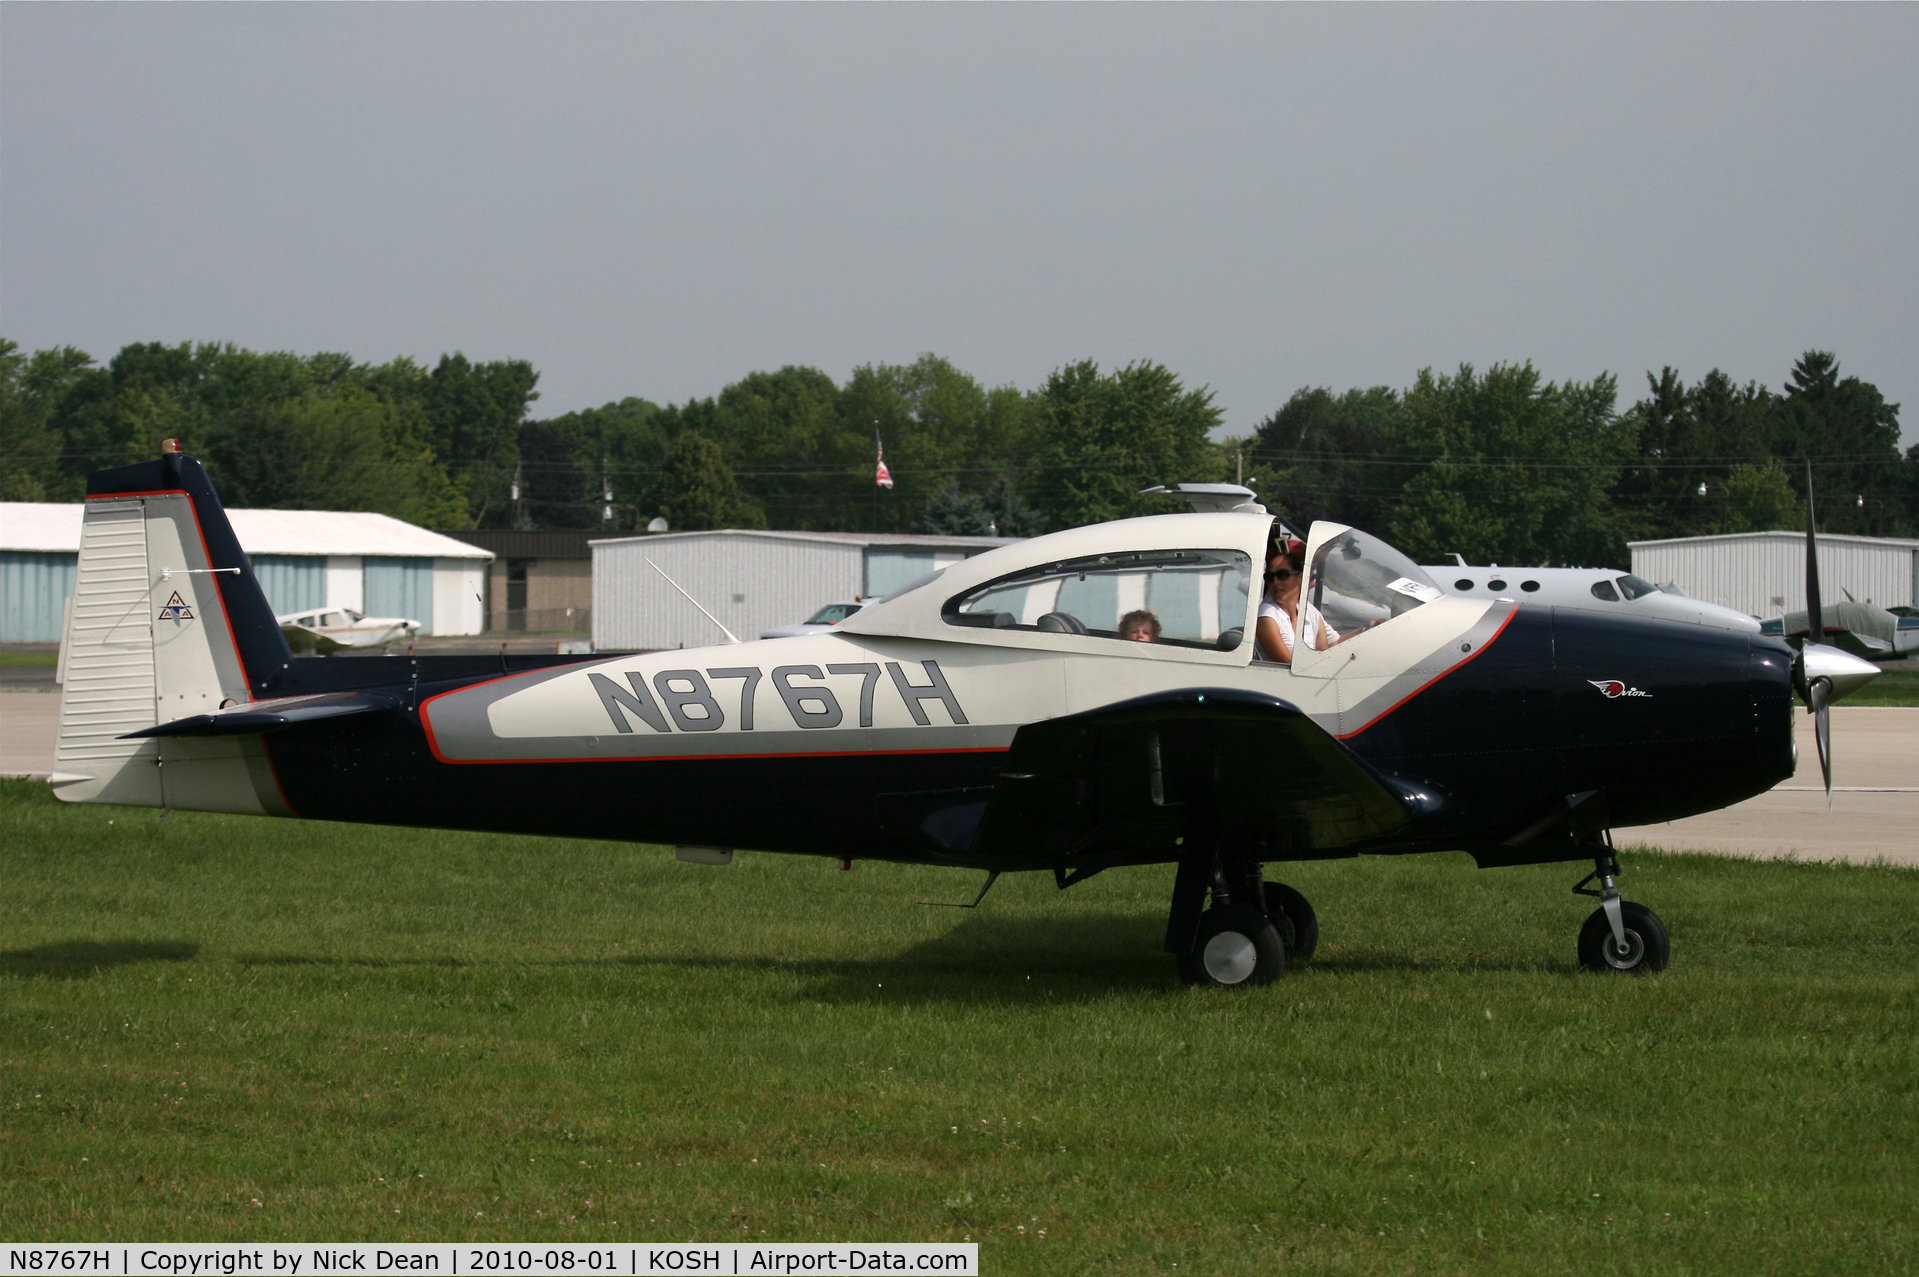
(168, 622)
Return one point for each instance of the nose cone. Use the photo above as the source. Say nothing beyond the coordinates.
(1847, 673)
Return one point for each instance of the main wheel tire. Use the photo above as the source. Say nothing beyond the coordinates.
(1300, 928)
(1648, 947)
(1237, 946)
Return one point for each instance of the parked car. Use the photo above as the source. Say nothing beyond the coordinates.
(824, 619)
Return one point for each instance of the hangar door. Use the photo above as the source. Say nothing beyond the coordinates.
(34, 589)
(402, 588)
(292, 582)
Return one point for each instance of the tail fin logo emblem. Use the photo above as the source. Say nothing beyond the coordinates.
(1612, 689)
(176, 609)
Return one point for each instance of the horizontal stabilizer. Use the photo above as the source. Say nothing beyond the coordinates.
(273, 716)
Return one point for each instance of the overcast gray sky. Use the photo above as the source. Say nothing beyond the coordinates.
(655, 200)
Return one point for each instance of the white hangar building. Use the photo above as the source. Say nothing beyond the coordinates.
(1764, 573)
(305, 560)
(750, 580)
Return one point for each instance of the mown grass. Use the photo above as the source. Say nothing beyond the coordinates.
(29, 660)
(226, 1028)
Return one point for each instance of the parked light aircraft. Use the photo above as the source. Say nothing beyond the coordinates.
(984, 716)
(1863, 629)
(325, 631)
(1591, 589)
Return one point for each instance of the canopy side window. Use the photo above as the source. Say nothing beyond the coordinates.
(1356, 581)
(1198, 597)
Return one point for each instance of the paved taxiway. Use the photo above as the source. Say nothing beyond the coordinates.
(1875, 811)
(1875, 803)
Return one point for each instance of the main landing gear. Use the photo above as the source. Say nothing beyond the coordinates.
(1246, 934)
(1620, 935)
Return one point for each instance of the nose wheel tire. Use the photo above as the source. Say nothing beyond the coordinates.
(1237, 946)
(1293, 915)
(1647, 947)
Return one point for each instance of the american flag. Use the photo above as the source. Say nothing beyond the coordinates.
(882, 477)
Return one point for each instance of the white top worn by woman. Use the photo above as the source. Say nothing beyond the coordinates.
(1315, 625)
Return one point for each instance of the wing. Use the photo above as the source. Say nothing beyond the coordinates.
(1133, 783)
(300, 639)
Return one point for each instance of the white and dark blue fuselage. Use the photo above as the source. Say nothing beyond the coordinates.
(890, 736)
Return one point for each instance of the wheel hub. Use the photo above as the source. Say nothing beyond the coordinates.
(1230, 957)
(1627, 957)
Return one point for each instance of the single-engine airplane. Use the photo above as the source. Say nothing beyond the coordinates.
(324, 631)
(985, 716)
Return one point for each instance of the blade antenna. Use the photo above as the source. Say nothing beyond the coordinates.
(992, 876)
(730, 637)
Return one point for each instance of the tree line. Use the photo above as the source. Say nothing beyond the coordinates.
(1500, 466)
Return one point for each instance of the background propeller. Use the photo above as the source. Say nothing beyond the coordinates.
(1820, 673)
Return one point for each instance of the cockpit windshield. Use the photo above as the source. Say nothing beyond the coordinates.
(1357, 580)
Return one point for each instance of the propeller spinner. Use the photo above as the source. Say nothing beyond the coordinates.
(1821, 673)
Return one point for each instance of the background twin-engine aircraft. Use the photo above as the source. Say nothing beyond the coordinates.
(987, 716)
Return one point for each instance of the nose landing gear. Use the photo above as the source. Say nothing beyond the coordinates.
(1620, 935)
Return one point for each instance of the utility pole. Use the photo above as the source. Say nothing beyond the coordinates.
(1239, 467)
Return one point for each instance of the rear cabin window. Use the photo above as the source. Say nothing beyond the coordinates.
(1199, 597)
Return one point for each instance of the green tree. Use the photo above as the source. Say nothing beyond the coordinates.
(782, 434)
(1326, 456)
(1101, 438)
(942, 430)
(30, 447)
(1519, 471)
(1691, 438)
(997, 512)
(695, 490)
(1849, 433)
(1756, 499)
(473, 414)
(564, 460)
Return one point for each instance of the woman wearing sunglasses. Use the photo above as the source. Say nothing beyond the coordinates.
(1279, 610)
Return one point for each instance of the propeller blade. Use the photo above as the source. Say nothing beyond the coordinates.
(1822, 731)
(1815, 624)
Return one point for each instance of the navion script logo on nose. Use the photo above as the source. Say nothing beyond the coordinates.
(1612, 689)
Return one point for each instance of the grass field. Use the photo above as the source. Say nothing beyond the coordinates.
(29, 660)
(224, 1028)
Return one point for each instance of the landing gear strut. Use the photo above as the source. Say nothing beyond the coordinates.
(1246, 934)
(1620, 935)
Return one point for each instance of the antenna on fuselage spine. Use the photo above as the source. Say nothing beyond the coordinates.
(730, 636)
